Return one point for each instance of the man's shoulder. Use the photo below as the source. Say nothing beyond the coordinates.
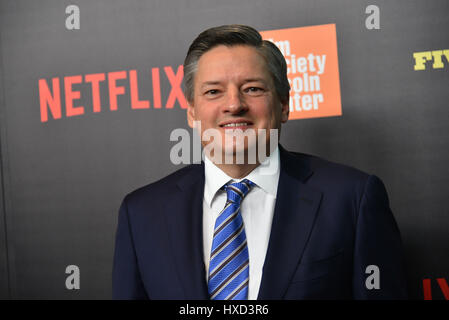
(161, 188)
(330, 174)
(329, 167)
(339, 183)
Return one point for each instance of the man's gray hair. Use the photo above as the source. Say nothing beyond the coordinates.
(232, 35)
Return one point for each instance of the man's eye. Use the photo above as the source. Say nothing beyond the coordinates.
(211, 92)
(254, 89)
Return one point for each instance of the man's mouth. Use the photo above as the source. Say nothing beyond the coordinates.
(236, 125)
(233, 125)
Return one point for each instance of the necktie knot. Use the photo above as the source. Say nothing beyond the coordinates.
(237, 191)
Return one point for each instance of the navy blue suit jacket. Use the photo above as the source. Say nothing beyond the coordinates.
(330, 222)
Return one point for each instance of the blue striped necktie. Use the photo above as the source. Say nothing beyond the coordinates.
(229, 259)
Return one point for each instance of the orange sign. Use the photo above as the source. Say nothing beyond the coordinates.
(312, 61)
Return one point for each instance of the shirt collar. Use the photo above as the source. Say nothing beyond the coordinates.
(265, 176)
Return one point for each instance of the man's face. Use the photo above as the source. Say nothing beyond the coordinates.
(233, 85)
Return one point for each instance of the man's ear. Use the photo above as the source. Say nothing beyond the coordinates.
(285, 111)
(190, 114)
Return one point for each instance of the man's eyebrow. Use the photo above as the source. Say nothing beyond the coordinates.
(215, 82)
(207, 83)
(254, 80)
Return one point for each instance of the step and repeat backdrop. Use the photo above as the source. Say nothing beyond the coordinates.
(90, 92)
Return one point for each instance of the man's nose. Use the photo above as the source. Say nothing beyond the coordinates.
(235, 103)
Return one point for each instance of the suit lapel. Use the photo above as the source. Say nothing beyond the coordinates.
(184, 221)
(294, 216)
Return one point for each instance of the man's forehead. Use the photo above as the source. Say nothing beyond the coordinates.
(243, 52)
(242, 62)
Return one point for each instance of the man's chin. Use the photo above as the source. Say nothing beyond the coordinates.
(234, 153)
(238, 154)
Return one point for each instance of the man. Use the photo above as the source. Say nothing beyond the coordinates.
(305, 229)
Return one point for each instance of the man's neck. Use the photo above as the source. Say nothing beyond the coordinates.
(240, 170)
(237, 171)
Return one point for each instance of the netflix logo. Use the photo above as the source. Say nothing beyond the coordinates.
(427, 288)
(52, 106)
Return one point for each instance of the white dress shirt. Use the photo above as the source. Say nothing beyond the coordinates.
(257, 211)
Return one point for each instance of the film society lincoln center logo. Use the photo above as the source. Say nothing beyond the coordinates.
(312, 62)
